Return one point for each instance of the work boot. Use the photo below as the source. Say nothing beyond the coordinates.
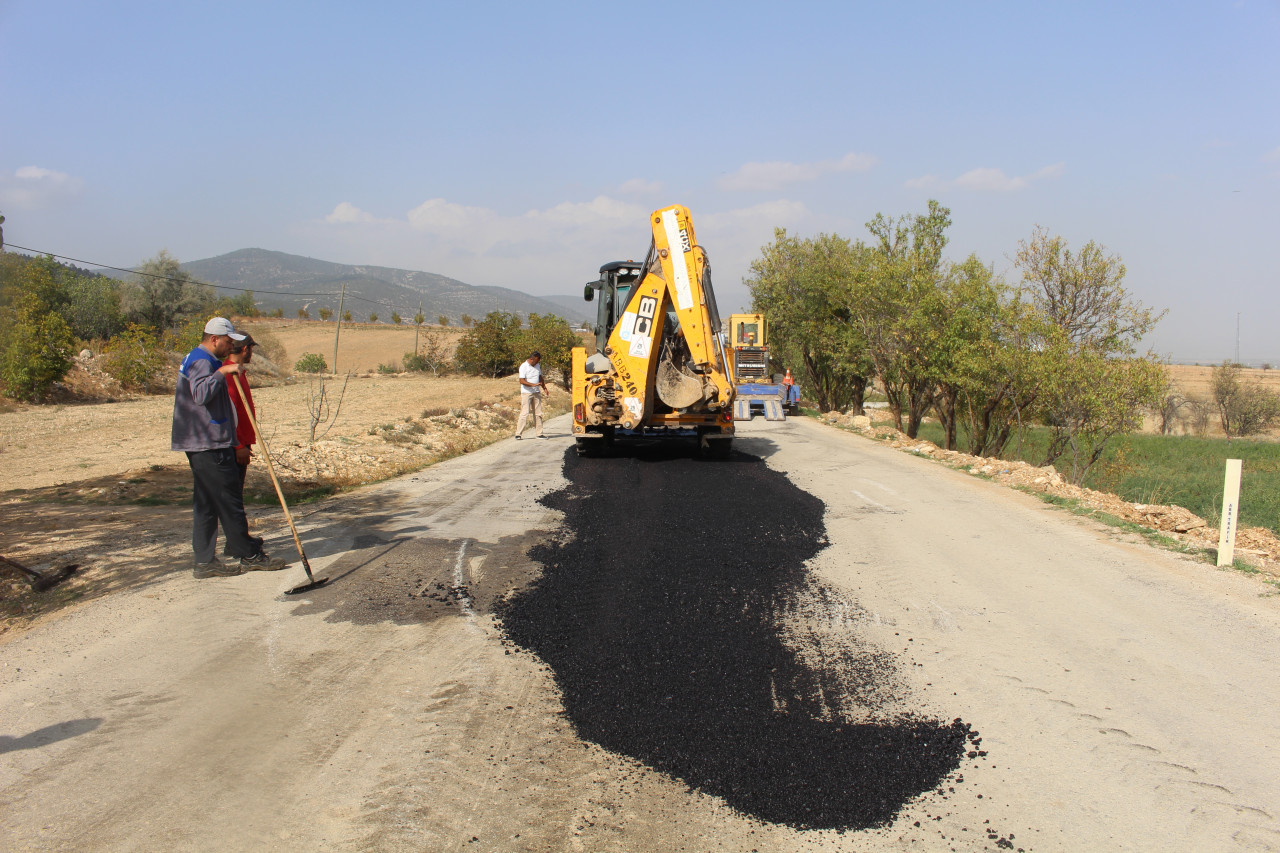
(215, 568)
(260, 562)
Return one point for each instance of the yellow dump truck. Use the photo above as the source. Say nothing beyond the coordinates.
(660, 370)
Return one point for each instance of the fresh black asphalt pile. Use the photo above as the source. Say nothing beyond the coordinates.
(661, 612)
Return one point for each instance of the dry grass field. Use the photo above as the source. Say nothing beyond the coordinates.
(1195, 383)
(362, 347)
(1194, 379)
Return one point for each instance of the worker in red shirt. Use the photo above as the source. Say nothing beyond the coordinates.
(787, 380)
(242, 353)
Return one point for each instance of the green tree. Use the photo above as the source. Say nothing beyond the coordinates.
(807, 290)
(37, 344)
(487, 349)
(326, 313)
(1094, 384)
(442, 320)
(243, 305)
(373, 316)
(968, 313)
(466, 320)
(346, 316)
(161, 294)
(304, 314)
(93, 309)
(551, 336)
(901, 314)
(1244, 408)
(1083, 293)
(396, 318)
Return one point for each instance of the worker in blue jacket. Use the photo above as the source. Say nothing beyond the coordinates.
(204, 427)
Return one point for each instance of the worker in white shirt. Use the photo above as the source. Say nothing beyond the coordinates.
(531, 388)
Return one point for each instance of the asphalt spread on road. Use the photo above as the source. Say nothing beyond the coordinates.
(671, 608)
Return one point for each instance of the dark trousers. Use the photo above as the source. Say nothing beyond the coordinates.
(219, 497)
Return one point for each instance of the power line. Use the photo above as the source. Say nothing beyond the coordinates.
(193, 280)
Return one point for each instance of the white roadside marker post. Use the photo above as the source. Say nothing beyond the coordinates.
(1230, 510)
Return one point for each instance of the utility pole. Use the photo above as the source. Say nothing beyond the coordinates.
(1237, 337)
(341, 297)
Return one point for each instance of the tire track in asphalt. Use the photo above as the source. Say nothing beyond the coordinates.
(667, 611)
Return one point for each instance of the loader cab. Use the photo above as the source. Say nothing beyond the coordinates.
(614, 286)
(749, 341)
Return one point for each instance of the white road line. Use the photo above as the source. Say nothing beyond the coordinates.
(882, 487)
(869, 500)
(458, 584)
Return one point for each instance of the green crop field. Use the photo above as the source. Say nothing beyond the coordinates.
(1179, 470)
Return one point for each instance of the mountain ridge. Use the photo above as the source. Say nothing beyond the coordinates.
(293, 282)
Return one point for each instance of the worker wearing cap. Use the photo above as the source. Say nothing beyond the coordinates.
(242, 353)
(204, 427)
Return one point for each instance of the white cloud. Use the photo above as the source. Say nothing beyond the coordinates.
(924, 182)
(987, 179)
(639, 186)
(542, 251)
(778, 174)
(35, 187)
(347, 213)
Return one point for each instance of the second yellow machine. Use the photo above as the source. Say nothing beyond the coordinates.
(659, 371)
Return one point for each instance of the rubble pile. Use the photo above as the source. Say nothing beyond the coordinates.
(1256, 544)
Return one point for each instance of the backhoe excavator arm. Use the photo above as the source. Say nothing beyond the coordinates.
(666, 346)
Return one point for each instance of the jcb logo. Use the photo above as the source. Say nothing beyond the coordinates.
(644, 319)
(684, 240)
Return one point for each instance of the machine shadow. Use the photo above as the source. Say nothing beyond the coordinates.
(661, 613)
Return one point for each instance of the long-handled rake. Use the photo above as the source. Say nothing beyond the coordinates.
(312, 581)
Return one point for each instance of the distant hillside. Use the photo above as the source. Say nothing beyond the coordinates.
(573, 305)
(290, 282)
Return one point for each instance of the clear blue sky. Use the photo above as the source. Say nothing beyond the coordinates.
(523, 144)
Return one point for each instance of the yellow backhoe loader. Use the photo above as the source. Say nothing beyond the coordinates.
(659, 371)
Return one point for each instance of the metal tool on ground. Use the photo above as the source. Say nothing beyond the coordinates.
(312, 581)
(41, 581)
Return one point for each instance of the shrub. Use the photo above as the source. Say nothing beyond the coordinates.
(135, 357)
(38, 354)
(185, 337)
(415, 362)
(386, 369)
(311, 363)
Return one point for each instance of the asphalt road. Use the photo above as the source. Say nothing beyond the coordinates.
(820, 644)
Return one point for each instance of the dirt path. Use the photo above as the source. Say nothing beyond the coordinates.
(1107, 696)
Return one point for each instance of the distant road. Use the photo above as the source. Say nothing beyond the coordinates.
(821, 644)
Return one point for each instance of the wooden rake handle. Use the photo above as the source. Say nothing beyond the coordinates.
(266, 455)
